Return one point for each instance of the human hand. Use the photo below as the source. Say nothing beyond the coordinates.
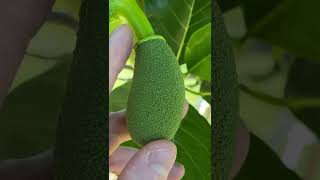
(155, 160)
(19, 21)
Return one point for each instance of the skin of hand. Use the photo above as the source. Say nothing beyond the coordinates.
(155, 160)
(20, 20)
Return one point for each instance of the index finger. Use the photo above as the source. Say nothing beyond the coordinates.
(120, 45)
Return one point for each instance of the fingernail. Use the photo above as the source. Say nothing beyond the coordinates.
(121, 43)
(122, 32)
(160, 160)
(177, 170)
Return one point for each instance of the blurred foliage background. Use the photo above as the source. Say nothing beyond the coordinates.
(29, 113)
(275, 43)
(277, 52)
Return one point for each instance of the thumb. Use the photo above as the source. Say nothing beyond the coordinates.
(153, 161)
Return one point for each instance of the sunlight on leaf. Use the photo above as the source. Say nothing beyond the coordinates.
(198, 53)
(193, 141)
(176, 20)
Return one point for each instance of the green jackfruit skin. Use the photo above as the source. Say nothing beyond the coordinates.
(156, 97)
(225, 90)
(81, 151)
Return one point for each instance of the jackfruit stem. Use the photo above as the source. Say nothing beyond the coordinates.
(131, 12)
(152, 37)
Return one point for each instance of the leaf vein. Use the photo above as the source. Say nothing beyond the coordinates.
(203, 146)
(190, 157)
(178, 19)
(202, 8)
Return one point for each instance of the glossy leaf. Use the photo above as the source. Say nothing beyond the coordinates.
(193, 141)
(201, 16)
(170, 18)
(176, 20)
(198, 53)
(203, 68)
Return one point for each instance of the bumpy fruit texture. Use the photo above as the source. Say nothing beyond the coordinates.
(81, 150)
(156, 98)
(225, 96)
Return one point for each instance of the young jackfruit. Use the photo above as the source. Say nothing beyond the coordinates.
(225, 114)
(156, 98)
(81, 150)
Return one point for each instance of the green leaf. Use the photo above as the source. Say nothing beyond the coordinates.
(201, 16)
(193, 141)
(301, 83)
(119, 97)
(198, 53)
(176, 20)
(263, 164)
(29, 114)
(130, 144)
(141, 3)
(170, 19)
(203, 68)
(290, 24)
